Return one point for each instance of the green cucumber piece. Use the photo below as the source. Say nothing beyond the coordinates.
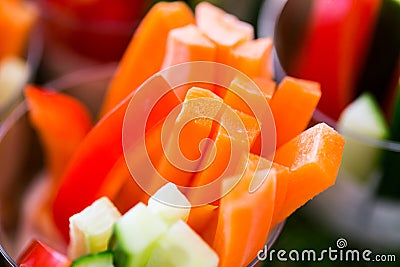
(389, 185)
(362, 117)
(102, 259)
(181, 246)
(91, 229)
(170, 204)
(136, 234)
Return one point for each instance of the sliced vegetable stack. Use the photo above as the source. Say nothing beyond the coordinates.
(169, 231)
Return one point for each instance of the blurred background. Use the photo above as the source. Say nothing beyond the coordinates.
(351, 47)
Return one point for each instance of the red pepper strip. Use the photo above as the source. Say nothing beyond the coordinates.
(38, 254)
(337, 41)
(95, 157)
(49, 112)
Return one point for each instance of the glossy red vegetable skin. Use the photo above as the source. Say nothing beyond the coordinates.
(95, 157)
(38, 254)
(333, 47)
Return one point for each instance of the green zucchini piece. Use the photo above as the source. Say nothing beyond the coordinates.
(181, 246)
(136, 234)
(362, 117)
(101, 259)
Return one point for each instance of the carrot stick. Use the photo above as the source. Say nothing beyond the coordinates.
(195, 129)
(225, 30)
(187, 44)
(145, 53)
(314, 158)
(292, 106)
(253, 58)
(242, 229)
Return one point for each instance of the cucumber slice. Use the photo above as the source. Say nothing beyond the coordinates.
(102, 259)
(91, 229)
(181, 246)
(389, 185)
(362, 117)
(136, 234)
(170, 204)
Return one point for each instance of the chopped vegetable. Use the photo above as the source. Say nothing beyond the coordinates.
(329, 45)
(170, 204)
(37, 254)
(200, 217)
(136, 235)
(240, 89)
(188, 44)
(49, 112)
(120, 187)
(91, 229)
(292, 106)
(362, 117)
(225, 143)
(181, 246)
(136, 66)
(101, 259)
(225, 30)
(190, 132)
(243, 229)
(253, 58)
(314, 158)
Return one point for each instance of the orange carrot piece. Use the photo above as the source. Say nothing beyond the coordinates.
(208, 234)
(223, 144)
(225, 30)
(314, 158)
(120, 187)
(266, 85)
(199, 217)
(253, 58)
(137, 65)
(189, 135)
(283, 176)
(292, 106)
(16, 22)
(240, 89)
(242, 229)
(186, 44)
(49, 112)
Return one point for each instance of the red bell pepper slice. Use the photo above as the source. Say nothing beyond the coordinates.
(336, 42)
(95, 157)
(38, 254)
(49, 112)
